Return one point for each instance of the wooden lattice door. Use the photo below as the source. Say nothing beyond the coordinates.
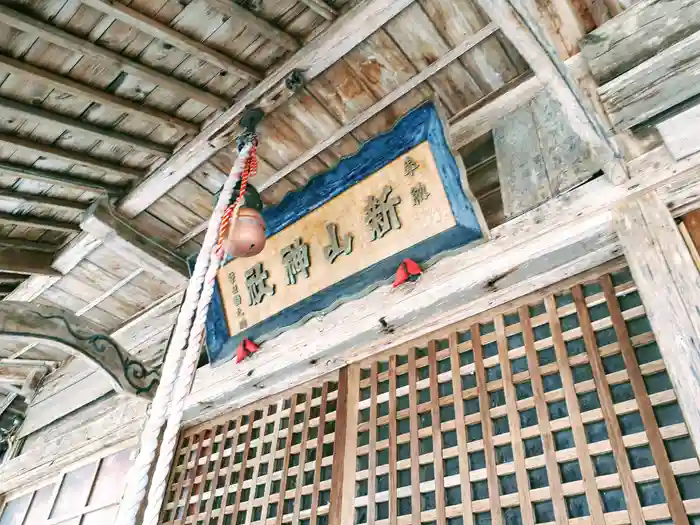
(566, 415)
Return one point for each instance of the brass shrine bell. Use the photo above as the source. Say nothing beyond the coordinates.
(246, 237)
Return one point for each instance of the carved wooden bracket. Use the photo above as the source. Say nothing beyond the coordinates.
(63, 329)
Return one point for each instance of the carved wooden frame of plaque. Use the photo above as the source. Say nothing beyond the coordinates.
(419, 126)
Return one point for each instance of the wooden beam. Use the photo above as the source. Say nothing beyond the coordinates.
(26, 262)
(42, 200)
(97, 96)
(679, 132)
(60, 179)
(10, 278)
(31, 363)
(561, 238)
(520, 27)
(36, 222)
(255, 23)
(26, 244)
(166, 33)
(85, 128)
(322, 9)
(349, 30)
(669, 283)
(71, 42)
(114, 232)
(70, 156)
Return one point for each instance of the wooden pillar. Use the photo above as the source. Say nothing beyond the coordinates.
(669, 284)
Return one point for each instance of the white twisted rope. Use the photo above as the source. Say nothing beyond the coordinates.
(177, 373)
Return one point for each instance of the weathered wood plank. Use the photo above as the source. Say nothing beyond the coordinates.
(183, 42)
(318, 55)
(103, 224)
(520, 26)
(638, 34)
(658, 84)
(34, 222)
(680, 132)
(89, 93)
(68, 41)
(42, 200)
(662, 268)
(60, 179)
(256, 23)
(69, 157)
(26, 262)
(322, 8)
(521, 167)
(29, 245)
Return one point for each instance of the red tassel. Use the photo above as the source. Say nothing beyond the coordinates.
(245, 348)
(408, 270)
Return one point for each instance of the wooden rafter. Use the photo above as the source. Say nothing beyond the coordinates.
(168, 34)
(322, 8)
(25, 244)
(35, 222)
(27, 262)
(85, 128)
(95, 95)
(42, 200)
(349, 30)
(255, 23)
(11, 278)
(69, 156)
(60, 179)
(73, 43)
(9, 399)
(522, 29)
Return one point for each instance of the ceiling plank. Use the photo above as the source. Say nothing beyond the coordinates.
(71, 42)
(60, 179)
(43, 200)
(103, 224)
(348, 31)
(70, 156)
(9, 399)
(519, 25)
(321, 8)
(96, 95)
(26, 244)
(255, 23)
(11, 278)
(26, 262)
(35, 222)
(85, 128)
(166, 33)
(444, 61)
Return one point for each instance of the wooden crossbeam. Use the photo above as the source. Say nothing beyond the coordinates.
(255, 23)
(519, 25)
(73, 43)
(35, 222)
(27, 262)
(166, 33)
(69, 156)
(60, 179)
(349, 30)
(43, 200)
(97, 96)
(11, 278)
(85, 128)
(321, 8)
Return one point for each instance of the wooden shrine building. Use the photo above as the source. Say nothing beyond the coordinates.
(537, 162)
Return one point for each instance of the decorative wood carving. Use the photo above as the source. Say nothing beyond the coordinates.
(59, 327)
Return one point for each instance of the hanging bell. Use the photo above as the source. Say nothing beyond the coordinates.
(246, 236)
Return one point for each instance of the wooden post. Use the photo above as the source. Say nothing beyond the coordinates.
(669, 284)
(343, 487)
